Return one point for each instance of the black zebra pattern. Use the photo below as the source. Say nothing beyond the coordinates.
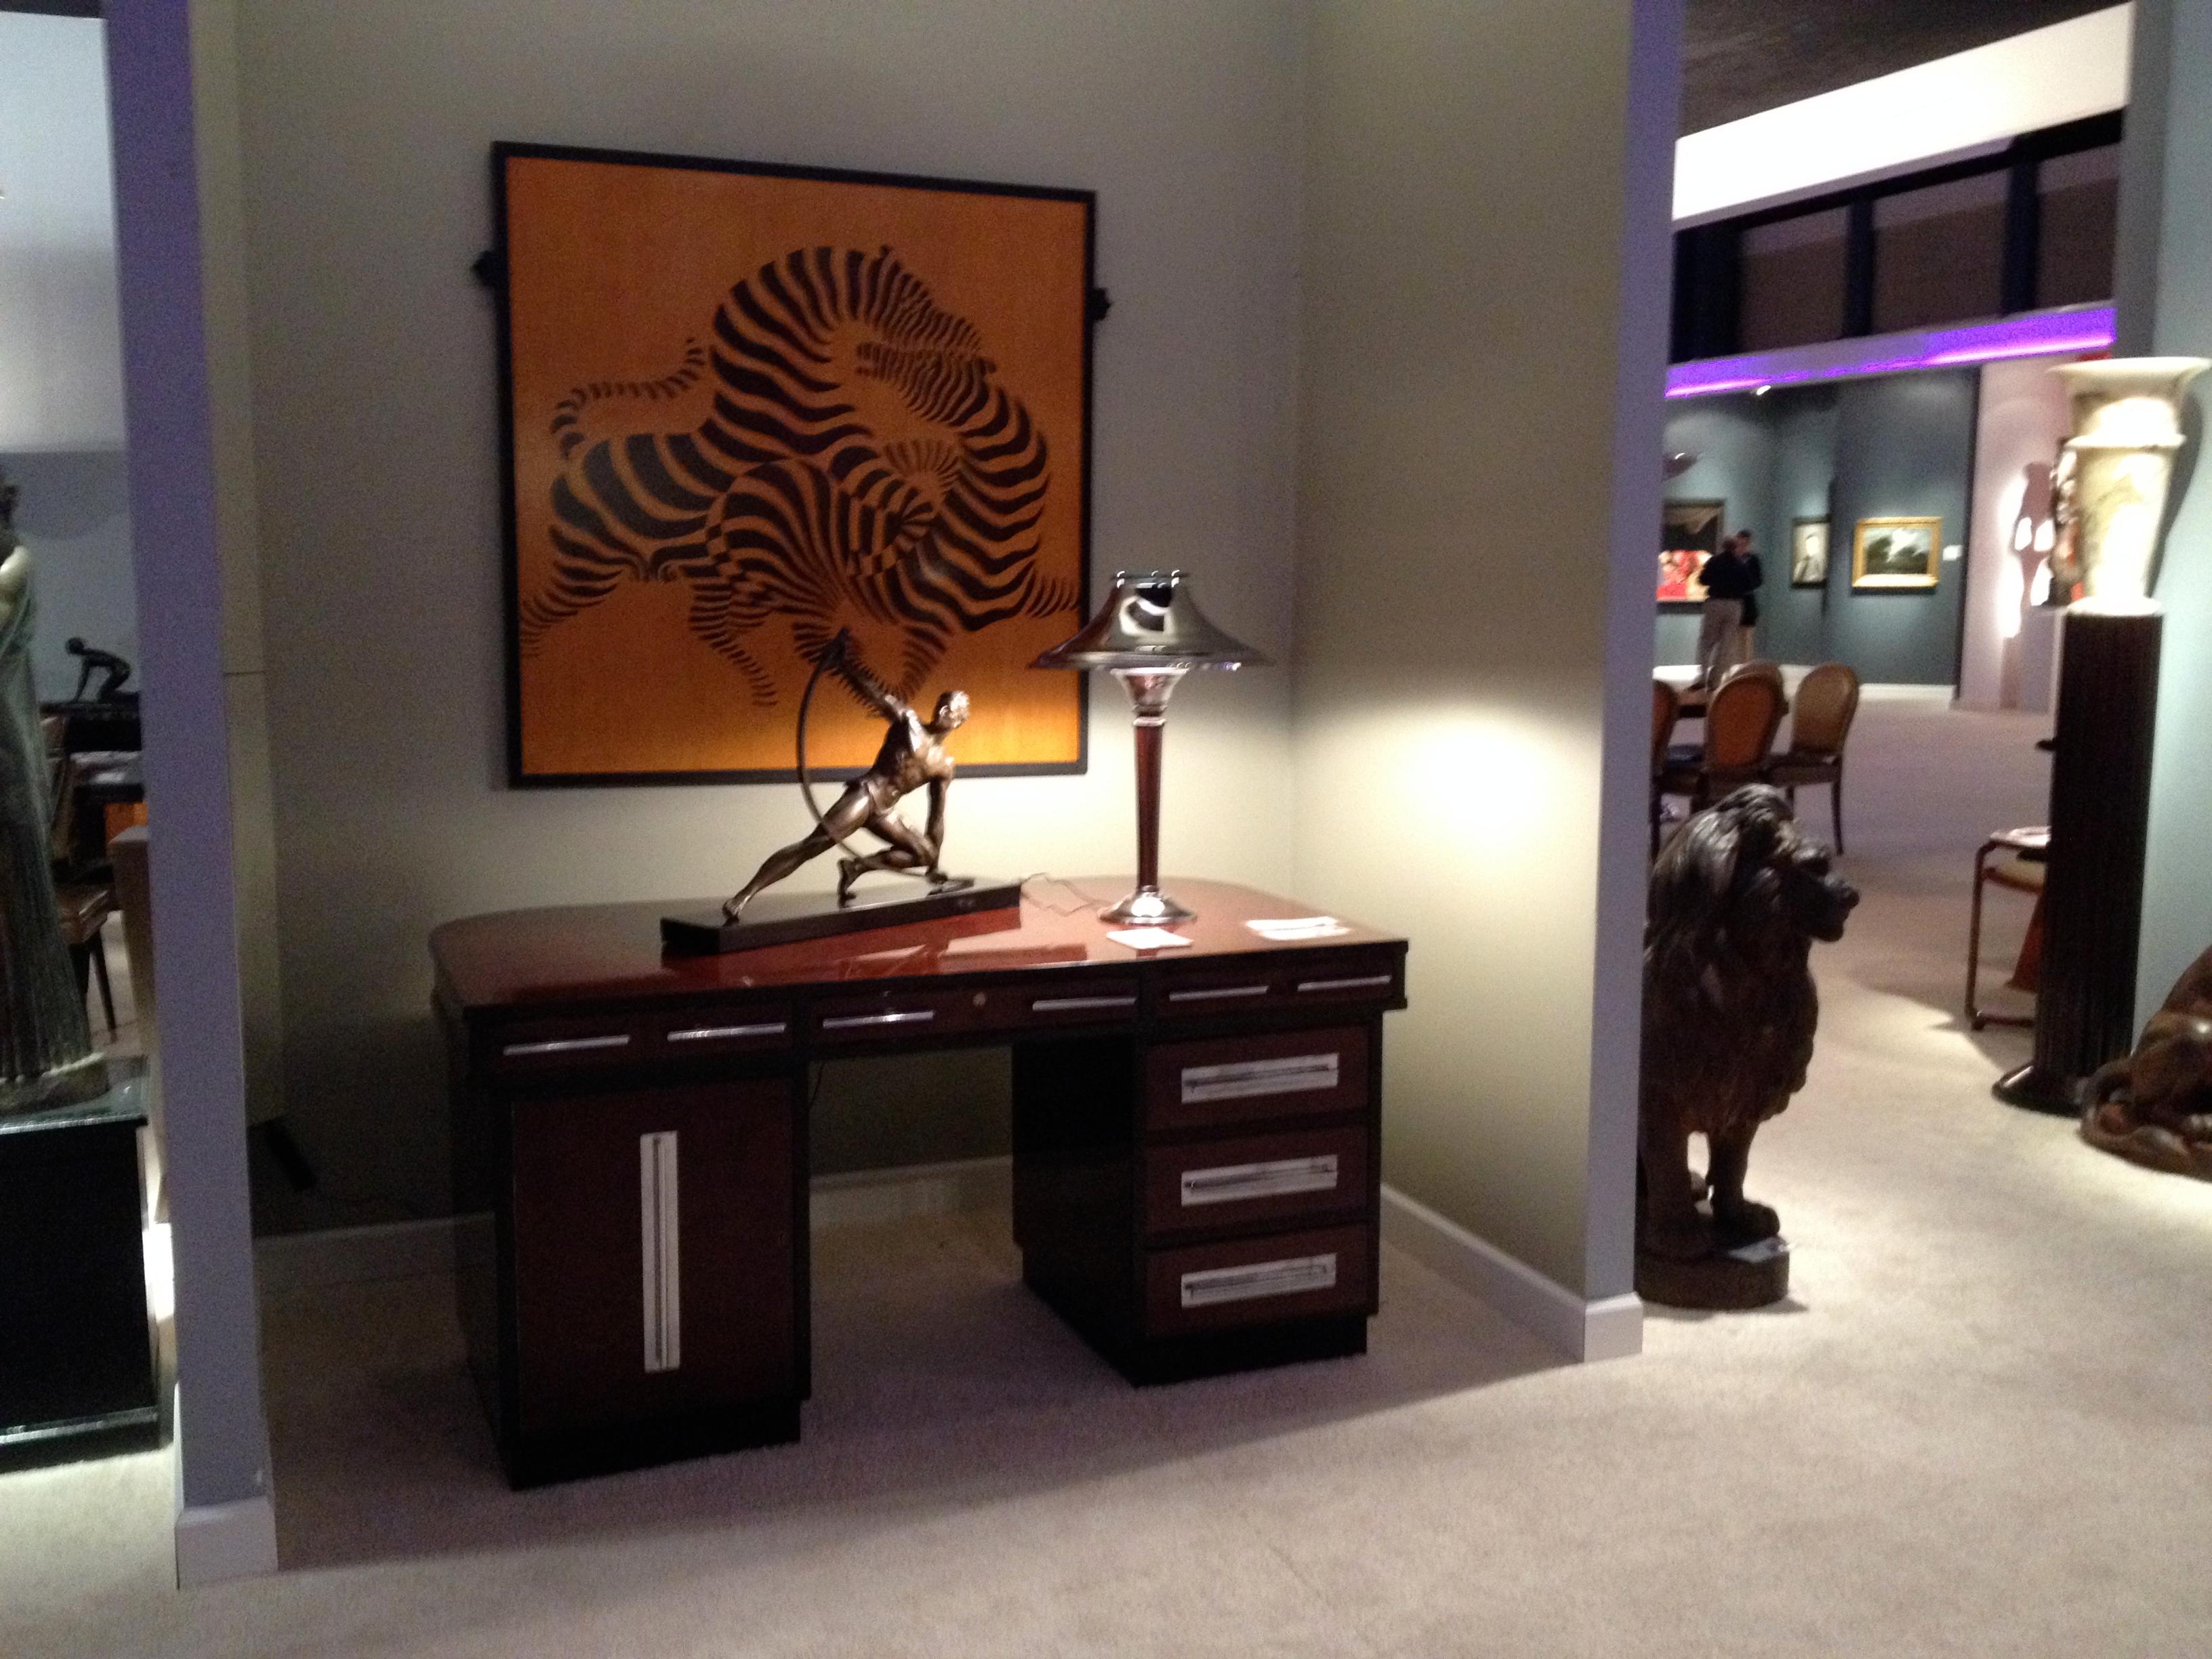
(783, 501)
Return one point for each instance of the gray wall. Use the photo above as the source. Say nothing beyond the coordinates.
(2165, 283)
(1904, 448)
(75, 517)
(365, 129)
(1899, 445)
(1472, 708)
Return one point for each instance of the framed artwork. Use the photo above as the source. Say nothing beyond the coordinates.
(1895, 553)
(1689, 534)
(745, 407)
(1808, 553)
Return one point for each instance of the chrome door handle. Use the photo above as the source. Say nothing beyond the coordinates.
(1223, 991)
(854, 1021)
(1068, 1004)
(1364, 982)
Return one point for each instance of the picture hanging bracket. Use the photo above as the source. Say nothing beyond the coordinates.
(1101, 303)
(490, 268)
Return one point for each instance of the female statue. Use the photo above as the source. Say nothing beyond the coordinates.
(46, 1056)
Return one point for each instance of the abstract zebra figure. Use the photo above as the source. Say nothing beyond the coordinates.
(858, 462)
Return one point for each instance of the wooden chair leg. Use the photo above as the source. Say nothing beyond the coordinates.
(97, 949)
(1974, 943)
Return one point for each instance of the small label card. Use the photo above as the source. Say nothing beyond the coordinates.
(1297, 928)
(1147, 938)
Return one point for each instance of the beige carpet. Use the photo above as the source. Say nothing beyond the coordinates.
(1982, 1425)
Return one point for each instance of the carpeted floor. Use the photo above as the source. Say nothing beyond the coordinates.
(1982, 1426)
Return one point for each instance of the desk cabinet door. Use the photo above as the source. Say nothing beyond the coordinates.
(655, 1233)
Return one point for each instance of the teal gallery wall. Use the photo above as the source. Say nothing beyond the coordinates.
(1897, 446)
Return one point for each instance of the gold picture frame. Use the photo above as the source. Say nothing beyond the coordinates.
(745, 406)
(1896, 553)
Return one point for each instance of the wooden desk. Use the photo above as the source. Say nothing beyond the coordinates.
(1197, 1148)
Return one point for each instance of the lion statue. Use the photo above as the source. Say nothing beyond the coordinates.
(2155, 1105)
(1737, 898)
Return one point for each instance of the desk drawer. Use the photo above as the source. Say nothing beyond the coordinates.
(1212, 1185)
(893, 1017)
(1256, 1281)
(1280, 979)
(1247, 1080)
(706, 1031)
(551, 1047)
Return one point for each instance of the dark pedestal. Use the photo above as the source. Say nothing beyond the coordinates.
(77, 1357)
(2099, 821)
(1732, 1280)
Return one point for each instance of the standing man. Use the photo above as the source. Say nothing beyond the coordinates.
(1725, 577)
(1755, 578)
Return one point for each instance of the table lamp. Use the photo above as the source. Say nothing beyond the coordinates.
(1148, 634)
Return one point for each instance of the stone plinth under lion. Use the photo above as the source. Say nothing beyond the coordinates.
(1737, 898)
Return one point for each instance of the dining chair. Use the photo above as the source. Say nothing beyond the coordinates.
(1666, 710)
(1742, 717)
(1820, 724)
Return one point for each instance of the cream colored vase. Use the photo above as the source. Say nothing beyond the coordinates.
(2127, 430)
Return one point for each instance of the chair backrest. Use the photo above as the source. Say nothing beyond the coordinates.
(1760, 669)
(1741, 719)
(1827, 699)
(1666, 710)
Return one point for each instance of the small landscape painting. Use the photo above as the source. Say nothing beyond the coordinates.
(1895, 553)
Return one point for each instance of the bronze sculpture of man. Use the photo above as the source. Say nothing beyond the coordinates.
(912, 754)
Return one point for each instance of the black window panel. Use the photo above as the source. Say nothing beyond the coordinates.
(2080, 198)
(1791, 273)
(1939, 253)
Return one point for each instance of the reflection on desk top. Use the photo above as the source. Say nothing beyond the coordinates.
(613, 950)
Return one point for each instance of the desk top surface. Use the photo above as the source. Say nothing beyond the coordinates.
(613, 950)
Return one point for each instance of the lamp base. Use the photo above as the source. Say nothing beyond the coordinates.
(1148, 907)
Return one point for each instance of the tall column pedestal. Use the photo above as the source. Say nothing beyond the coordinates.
(2099, 820)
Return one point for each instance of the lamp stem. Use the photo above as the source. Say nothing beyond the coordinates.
(1149, 689)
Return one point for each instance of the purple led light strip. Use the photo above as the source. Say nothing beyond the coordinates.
(2089, 328)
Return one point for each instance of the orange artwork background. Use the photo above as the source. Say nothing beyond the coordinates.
(614, 268)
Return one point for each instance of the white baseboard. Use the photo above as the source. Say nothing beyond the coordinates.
(218, 1542)
(290, 1262)
(1610, 1327)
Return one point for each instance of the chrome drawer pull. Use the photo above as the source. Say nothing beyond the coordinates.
(1294, 1074)
(1069, 1005)
(706, 1033)
(854, 1021)
(1227, 1183)
(1361, 983)
(660, 1220)
(1225, 991)
(1289, 1277)
(565, 1046)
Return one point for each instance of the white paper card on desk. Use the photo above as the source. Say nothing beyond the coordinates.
(1147, 938)
(1297, 927)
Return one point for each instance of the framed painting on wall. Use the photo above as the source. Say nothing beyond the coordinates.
(1689, 534)
(746, 406)
(1808, 553)
(1895, 553)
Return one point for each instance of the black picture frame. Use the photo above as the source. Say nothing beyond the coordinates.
(493, 270)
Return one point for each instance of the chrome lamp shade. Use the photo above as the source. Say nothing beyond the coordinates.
(1148, 634)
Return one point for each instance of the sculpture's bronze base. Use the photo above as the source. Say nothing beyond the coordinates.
(787, 918)
(1750, 1277)
(2039, 1089)
(2111, 1128)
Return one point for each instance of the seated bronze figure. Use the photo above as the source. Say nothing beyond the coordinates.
(2154, 1106)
